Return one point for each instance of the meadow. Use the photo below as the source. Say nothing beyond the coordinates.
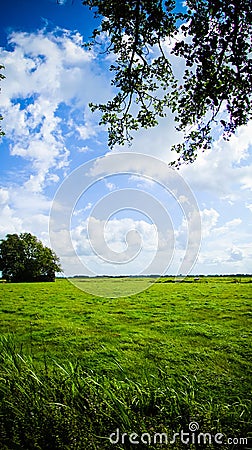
(75, 367)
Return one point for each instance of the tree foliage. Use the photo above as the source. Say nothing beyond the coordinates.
(23, 258)
(211, 40)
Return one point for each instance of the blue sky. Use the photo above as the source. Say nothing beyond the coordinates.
(50, 132)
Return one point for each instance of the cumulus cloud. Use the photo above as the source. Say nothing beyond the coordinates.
(50, 78)
(44, 71)
(235, 255)
(209, 218)
(117, 246)
(22, 211)
(10, 223)
(4, 195)
(226, 248)
(226, 168)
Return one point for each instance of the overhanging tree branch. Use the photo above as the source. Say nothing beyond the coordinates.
(215, 45)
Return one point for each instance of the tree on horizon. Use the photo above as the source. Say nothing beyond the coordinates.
(23, 258)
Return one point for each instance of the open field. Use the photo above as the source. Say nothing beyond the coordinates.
(75, 367)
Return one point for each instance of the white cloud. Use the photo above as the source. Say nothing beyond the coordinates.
(83, 149)
(110, 186)
(226, 249)
(78, 212)
(117, 246)
(61, 2)
(209, 218)
(86, 131)
(235, 255)
(22, 210)
(4, 195)
(113, 233)
(45, 70)
(226, 169)
(10, 223)
(44, 101)
(142, 182)
(228, 227)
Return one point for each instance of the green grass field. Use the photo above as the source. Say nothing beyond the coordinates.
(75, 367)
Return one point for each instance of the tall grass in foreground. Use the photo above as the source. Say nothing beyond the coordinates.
(70, 407)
